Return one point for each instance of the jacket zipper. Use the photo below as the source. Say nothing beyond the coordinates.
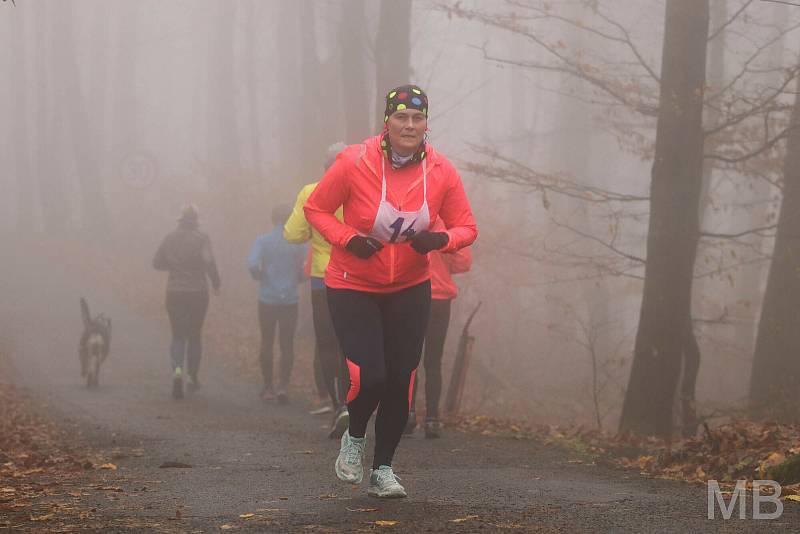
(392, 248)
(392, 253)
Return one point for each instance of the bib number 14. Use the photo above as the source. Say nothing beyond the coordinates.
(397, 227)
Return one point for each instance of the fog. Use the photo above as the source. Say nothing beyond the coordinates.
(118, 112)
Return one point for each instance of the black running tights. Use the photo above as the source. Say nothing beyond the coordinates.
(381, 335)
(432, 357)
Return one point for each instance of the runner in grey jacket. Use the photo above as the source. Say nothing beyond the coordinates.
(186, 254)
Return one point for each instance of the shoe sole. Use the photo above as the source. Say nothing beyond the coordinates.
(341, 424)
(392, 495)
(341, 476)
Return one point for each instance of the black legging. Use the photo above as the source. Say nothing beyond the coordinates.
(432, 359)
(285, 316)
(187, 312)
(328, 356)
(381, 336)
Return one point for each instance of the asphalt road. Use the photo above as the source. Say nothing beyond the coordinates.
(276, 463)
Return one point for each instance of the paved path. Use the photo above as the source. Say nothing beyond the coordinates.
(275, 462)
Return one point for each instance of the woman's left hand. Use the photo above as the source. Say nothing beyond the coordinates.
(425, 241)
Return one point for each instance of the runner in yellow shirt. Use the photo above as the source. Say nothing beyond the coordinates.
(334, 372)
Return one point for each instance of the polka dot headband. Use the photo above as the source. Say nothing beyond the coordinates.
(406, 97)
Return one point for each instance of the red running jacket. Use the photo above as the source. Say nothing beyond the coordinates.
(443, 265)
(354, 182)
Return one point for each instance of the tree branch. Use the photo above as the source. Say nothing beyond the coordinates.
(738, 234)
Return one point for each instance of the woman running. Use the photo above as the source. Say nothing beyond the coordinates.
(392, 188)
(186, 254)
(443, 291)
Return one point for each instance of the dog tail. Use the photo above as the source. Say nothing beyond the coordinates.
(87, 318)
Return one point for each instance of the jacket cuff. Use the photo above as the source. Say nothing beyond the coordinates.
(450, 246)
(347, 239)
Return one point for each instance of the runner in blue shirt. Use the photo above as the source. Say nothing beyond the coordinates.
(278, 266)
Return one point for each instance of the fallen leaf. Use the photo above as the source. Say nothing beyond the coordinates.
(110, 466)
(46, 517)
(109, 488)
(362, 509)
(462, 519)
(33, 471)
(700, 473)
(793, 498)
(75, 493)
(385, 523)
(226, 527)
(8, 490)
(246, 516)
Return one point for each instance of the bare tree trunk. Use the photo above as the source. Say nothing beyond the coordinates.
(83, 134)
(392, 49)
(288, 46)
(252, 60)
(223, 148)
(125, 141)
(125, 123)
(316, 137)
(776, 368)
(572, 148)
(55, 209)
(98, 94)
(691, 353)
(673, 231)
(355, 95)
(19, 118)
(715, 79)
(753, 279)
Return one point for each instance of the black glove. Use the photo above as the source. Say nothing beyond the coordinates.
(425, 241)
(363, 247)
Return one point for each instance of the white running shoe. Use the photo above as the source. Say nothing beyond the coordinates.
(383, 483)
(351, 454)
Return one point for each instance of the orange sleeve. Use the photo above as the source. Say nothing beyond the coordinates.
(457, 214)
(331, 192)
(459, 261)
